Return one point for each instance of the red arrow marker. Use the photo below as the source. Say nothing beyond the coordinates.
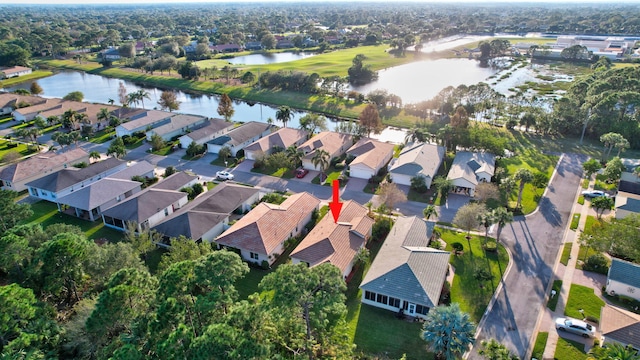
(336, 205)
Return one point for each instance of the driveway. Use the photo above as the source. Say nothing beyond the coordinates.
(534, 242)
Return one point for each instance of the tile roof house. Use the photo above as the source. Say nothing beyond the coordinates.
(470, 168)
(145, 208)
(211, 130)
(406, 274)
(10, 101)
(240, 137)
(177, 181)
(63, 182)
(15, 176)
(90, 110)
(208, 215)
(417, 160)
(142, 121)
(620, 326)
(332, 142)
(260, 235)
(140, 168)
(336, 243)
(623, 279)
(369, 157)
(280, 139)
(179, 124)
(626, 204)
(14, 71)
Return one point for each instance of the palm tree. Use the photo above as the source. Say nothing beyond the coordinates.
(430, 211)
(284, 114)
(132, 99)
(493, 350)
(103, 115)
(501, 217)
(615, 351)
(70, 118)
(486, 219)
(523, 176)
(225, 153)
(94, 155)
(507, 185)
(143, 94)
(295, 155)
(442, 185)
(636, 171)
(448, 331)
(322, 160)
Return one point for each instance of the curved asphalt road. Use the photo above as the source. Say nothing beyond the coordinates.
(534, 242)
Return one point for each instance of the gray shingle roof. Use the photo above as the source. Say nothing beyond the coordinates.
(98, 193)
(625, 272)
(191, 224)
(241, 134)
(211, 127)
(620, 325)
(466, 164)
(142, 205)
(41, 164)
(67, 177)
(139, 168)
(282, 138)
(424, 159)
(406, 267)
(176, 181)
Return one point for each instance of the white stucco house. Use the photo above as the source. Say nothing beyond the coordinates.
(240, 137)
(369, 156)
(623, 279)
(332, 142)
(178, 125)
(278, 140)
(417, 159)
(470, 168)
(212, 129)
(143, 121)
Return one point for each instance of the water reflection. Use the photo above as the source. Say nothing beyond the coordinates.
(269, 58)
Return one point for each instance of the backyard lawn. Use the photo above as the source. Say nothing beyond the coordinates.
(46, 213)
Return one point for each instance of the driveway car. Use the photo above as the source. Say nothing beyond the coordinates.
(224, 175)
(575, 326)
(594, 193)
(300, 173)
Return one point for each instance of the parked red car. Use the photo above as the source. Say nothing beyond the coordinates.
(300, 173)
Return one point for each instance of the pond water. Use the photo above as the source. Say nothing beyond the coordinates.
(268, 58)
(99, 89)
(450, 42)
(422, 80)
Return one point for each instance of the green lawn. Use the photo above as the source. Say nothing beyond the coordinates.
(585, 183)
(21, 149)
(583, 297)
(231, 162)
(601, 184)
(36, 74)
(584, 253)
(249, 284)
(581, 199)
(473, 295)
(575, 220)
(566, 253)
(541, 343)
(46, 213)
(553, 301)
(428, 197)
(103, 136)
(284, 173)
(590, 222)
(332, 174)
(136, 143)
(569, 350)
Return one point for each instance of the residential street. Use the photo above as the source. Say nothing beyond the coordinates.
(534, 242)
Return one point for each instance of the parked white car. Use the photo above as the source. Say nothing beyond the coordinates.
(575, 326)
(594, 193)
(224, 175)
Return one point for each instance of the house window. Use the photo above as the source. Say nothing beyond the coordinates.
(166, 212)
(254, 256)
(33, 191)
(422, 309)
(370, 296)
(394, 302)
(382, 299)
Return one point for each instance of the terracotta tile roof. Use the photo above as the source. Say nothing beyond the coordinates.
(282, 138)
(371, 153)
(327, 140)
(336, 243)
(41, 164)
(265, 227)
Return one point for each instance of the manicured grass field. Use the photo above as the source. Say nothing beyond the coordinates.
(566, 253)
(583, 297)
(36, 74)
(590, 222)
(284, 173)
(21, 149)
(553, 301)
(332, 174)
(569, 350)
(473, 295)
(46, 213)
(585, 183)
(575, 220)
(541, 343)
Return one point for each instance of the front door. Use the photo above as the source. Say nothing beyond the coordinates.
(412, 309)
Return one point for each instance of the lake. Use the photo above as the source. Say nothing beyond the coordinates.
(268, 58)
(422, 80)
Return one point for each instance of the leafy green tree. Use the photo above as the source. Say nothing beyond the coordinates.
(601, 204)
(169, 101)
(312, 123)
(610, 140)
(143, 240)
(442, 185)
(540, 180)
(430, 211)
(284, 114)
(309, 308)
(11, 213)
(467, 218)
(58, 267)
(615, 351)
(613, 170)
(523, 176)
(224, 153)
(225, 107)
(493, 350)
(117, 148)
(448, 331)
(183, 248)
(194, 149)
(591, 167)
(105, 260)
(95, 155)
(35, 88)
(486, 191)
(74, 96)
(359, 73)
(157, 142)
(419, 184)
(370, 120)
(294, 155)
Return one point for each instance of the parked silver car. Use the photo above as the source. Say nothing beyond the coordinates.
(575, 326)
